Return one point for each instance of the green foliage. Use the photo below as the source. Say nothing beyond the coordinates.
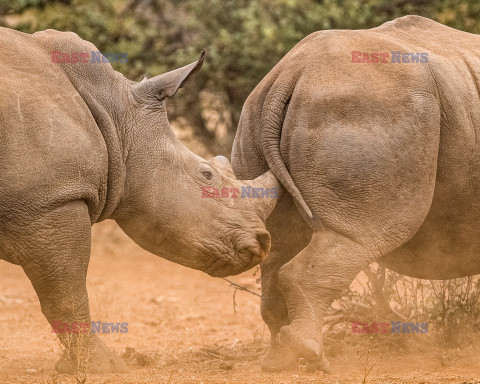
(244, 38)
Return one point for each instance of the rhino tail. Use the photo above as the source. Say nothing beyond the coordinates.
(272, 118)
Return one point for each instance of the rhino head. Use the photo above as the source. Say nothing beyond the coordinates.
(164, 208)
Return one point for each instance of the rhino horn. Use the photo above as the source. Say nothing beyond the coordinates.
(266, 205)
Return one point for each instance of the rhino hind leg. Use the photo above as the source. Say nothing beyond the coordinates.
(59, 245)
(287, 241)
(309, 283)
(274, 313)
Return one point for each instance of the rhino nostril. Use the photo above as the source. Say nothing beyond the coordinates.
(263, 239)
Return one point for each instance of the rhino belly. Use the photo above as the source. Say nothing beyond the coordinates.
(447, 245)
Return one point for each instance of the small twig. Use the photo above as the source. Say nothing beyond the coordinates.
(170, 378)
(240, 288)
(377, 293)
(366, 368)
(358, 304)
(234, 298)
(330, 321)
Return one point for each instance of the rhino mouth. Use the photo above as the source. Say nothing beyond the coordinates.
(244, 259)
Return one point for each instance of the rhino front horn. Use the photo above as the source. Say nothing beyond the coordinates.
(275, 189)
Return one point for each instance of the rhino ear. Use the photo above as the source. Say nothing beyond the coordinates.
(160, 87)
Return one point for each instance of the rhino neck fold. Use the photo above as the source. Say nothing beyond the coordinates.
(104, 94)
(113, 133)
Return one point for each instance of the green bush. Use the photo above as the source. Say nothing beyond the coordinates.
(244, 38)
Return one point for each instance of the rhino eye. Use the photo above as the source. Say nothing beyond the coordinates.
(207, 174)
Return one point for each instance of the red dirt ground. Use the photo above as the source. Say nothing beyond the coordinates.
(183, 325)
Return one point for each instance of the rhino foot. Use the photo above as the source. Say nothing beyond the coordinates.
(304, 347)
(279, 359)
(100, 361)
(322, 365)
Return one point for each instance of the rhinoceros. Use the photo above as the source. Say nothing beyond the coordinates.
(80, 143)
(375, 135)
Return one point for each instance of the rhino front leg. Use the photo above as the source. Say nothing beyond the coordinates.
(58, 246)
(309, 283)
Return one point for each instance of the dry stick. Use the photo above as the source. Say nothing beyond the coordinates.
(358, 304)
(366, 370)
(476, 295)
(234, 298)
(238, 288)
(241, 288)
(170, 378)
(379, 297)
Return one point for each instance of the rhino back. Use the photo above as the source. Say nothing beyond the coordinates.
(51, 150)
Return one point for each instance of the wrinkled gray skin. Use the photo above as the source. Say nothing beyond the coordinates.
(381, 162)
(79, 144)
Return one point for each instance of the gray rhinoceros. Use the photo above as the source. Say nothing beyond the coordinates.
(375, 135)
(79, 143)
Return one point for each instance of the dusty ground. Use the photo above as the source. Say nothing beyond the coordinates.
(184, 327)
(183, 324)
